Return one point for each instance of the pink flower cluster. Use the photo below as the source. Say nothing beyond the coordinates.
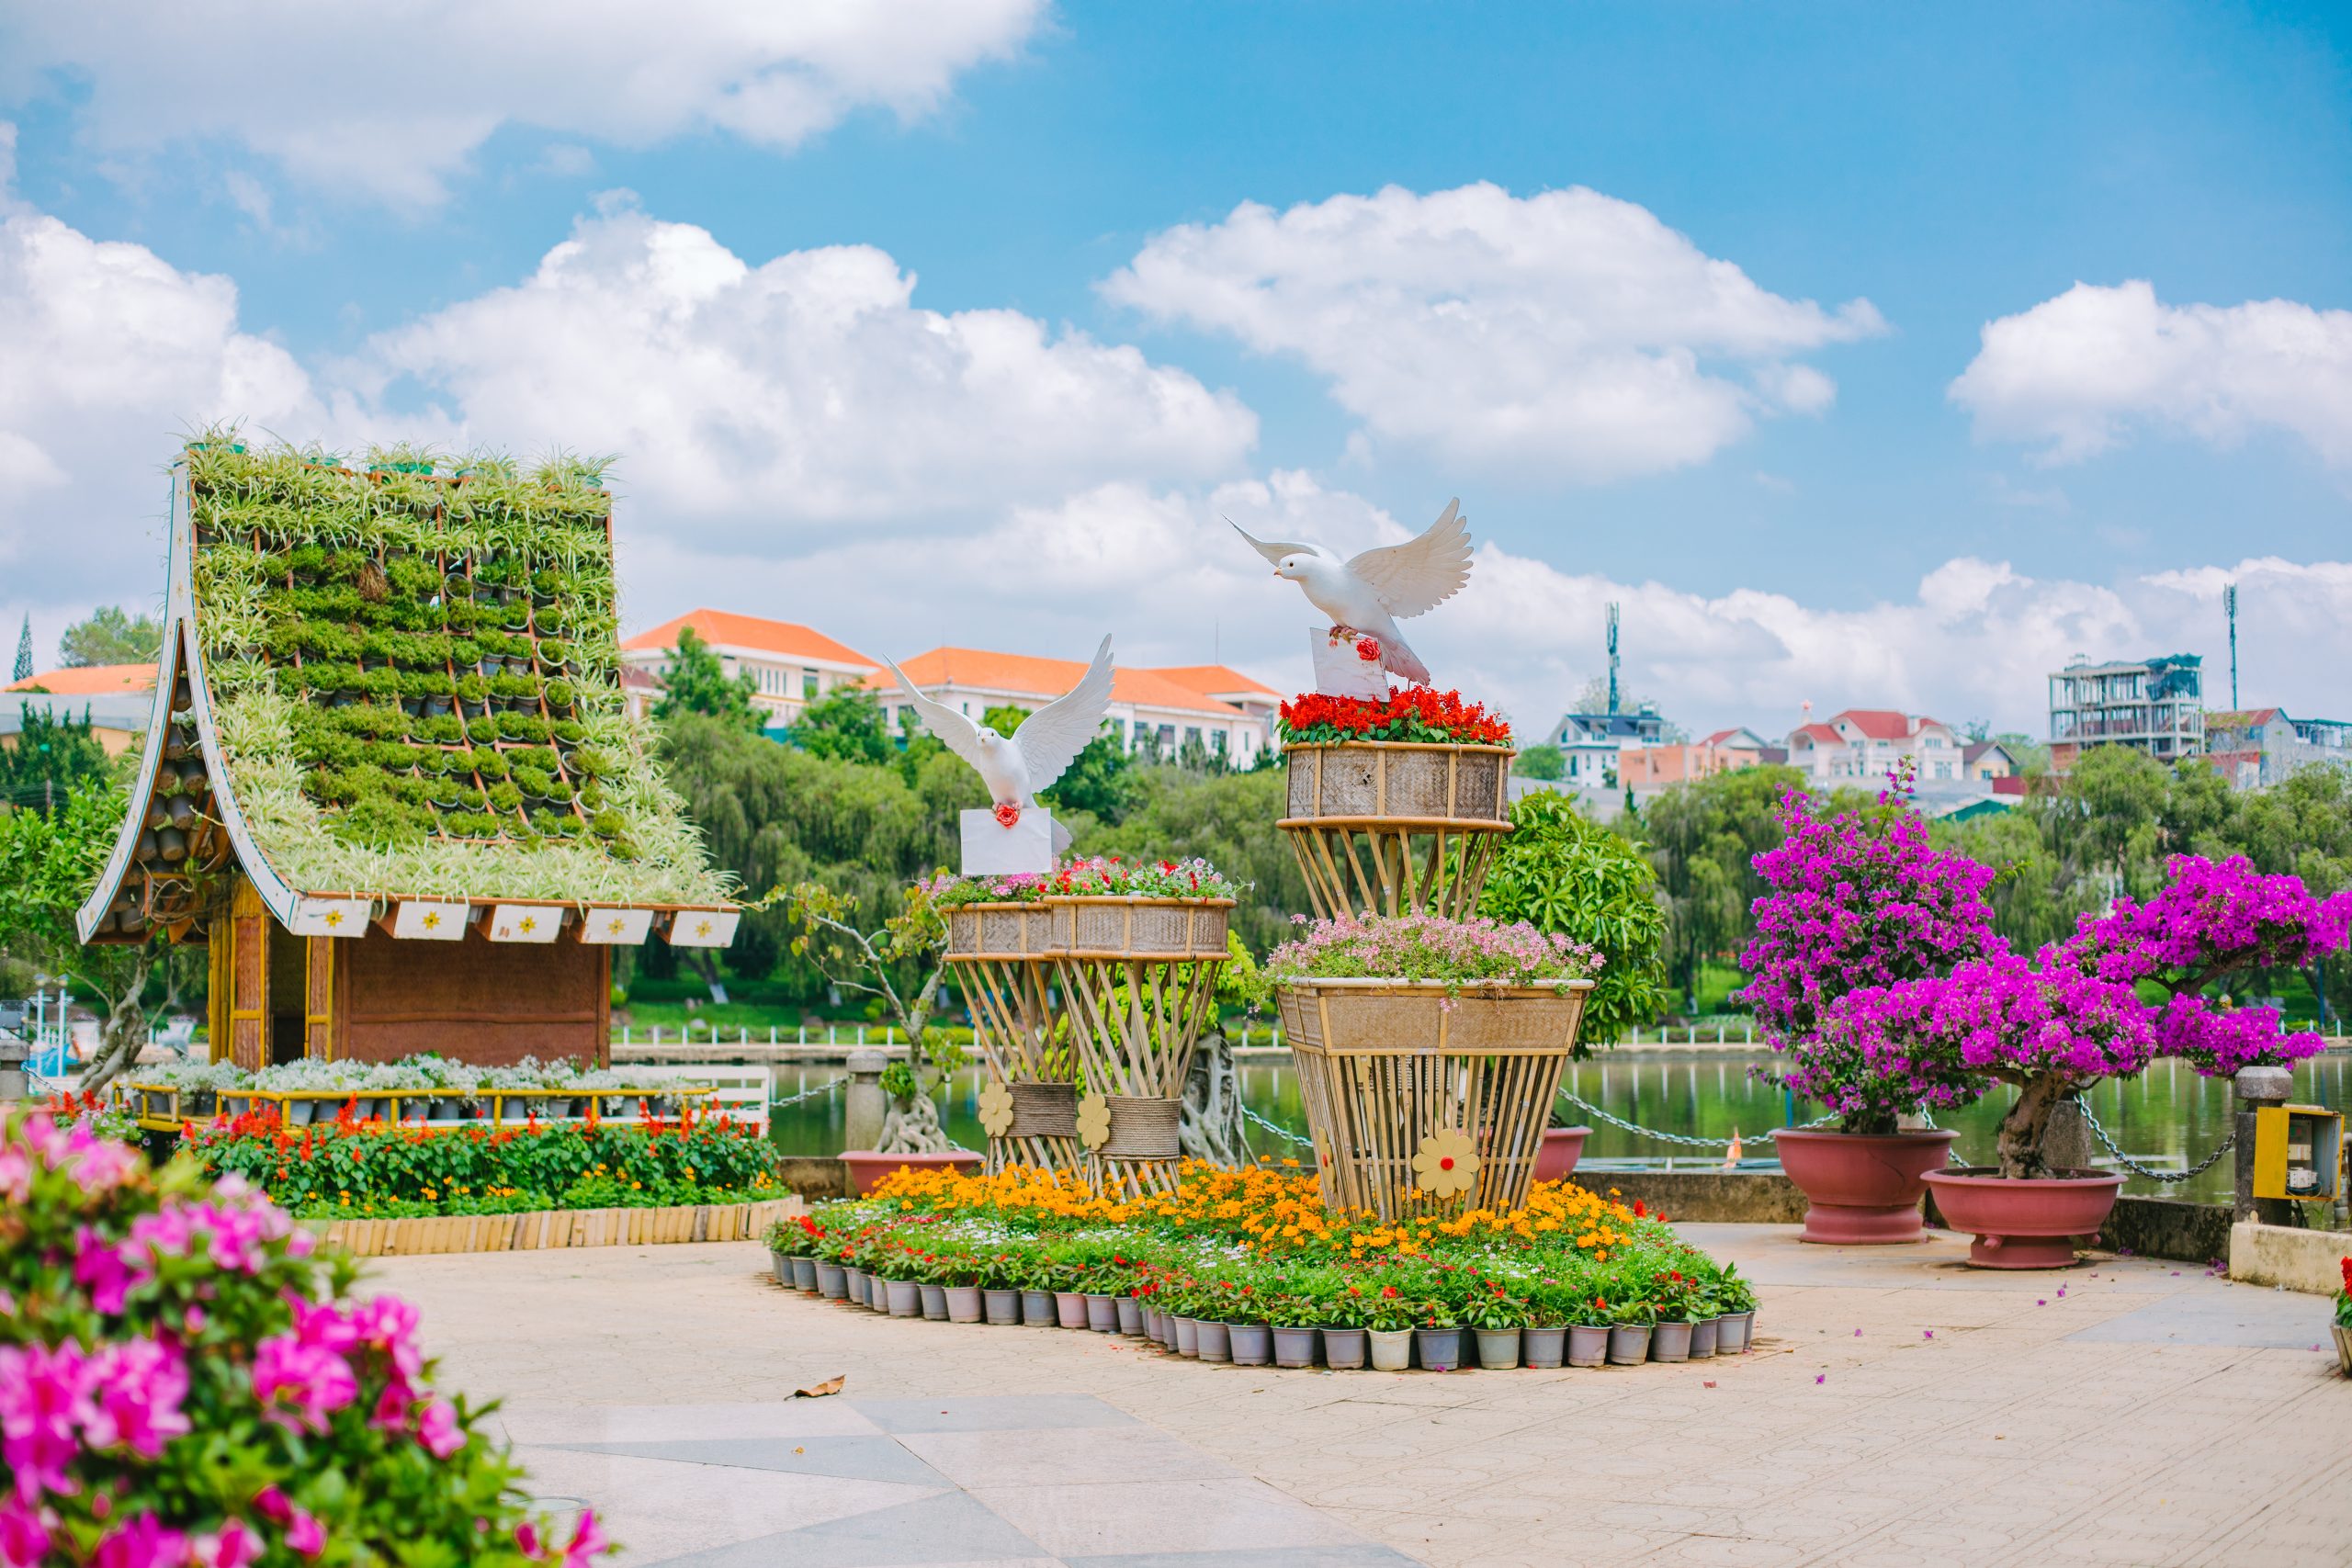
(1430, 947)
(56, 1401)
(2003, 1017)
(98, 1165)
(232, 1230)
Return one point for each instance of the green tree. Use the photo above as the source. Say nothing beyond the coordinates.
(2301, 827)
(111, 635)
(846, 725)
(1541, 760)
(1703, 837)
(698, 683)
(51, 758)
(48, 866)
(1096, 782)
(1562, 871)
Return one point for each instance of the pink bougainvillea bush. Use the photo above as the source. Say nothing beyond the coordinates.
(1856, 900)
(185, 1383)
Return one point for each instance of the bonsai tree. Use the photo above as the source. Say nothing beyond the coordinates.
(1560, 871)
(1856, 900)
(876, 964)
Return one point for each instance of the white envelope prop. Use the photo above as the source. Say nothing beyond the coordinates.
(1340, 668)
(991, 849)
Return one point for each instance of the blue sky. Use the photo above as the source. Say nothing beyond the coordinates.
(2108, 466)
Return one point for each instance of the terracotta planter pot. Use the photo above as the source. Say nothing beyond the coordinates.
(1037, 1309)
(963, 1304)
(1587, 1344)
(935, 1303)
(1343, 1348)
(1103, 1313)
(1498, 1348)
(831, 1282)
(2025, 1224)
(1130, 1315)
(1294, 1347)
(1069, 1308)
(1440, 1348)
(1670, 1342)
(866, 1169)
(1392, 1349)
(1563, 1146)
(1543, 1348)
(1003, 1307)
(1629, 1344)
(1251, 1344)
(1862, 1189)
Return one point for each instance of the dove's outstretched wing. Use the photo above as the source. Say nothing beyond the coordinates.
(959, 734)
(1272, 549)
(1051, 738)
(1420, 573)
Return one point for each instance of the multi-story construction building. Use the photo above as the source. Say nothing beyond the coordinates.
(2151, 705)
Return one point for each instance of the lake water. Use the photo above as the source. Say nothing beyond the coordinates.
(2167, 1117)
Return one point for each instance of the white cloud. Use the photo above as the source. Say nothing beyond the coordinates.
(392, 101)
(2081, 372)
(111, 352)
(802, 391)
(1565, 334)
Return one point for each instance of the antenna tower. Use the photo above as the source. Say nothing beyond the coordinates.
(2230, 607)
(1612, 658)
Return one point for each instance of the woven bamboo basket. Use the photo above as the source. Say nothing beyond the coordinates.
(1385, 1064)
(1396, 826)
(1138, 976)
(999, 954)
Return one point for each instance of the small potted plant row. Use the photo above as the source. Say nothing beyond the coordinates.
(426, 1089)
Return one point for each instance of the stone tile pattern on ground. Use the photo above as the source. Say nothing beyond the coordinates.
(2150, 1414)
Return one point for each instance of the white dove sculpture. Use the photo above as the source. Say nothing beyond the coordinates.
(1015, 767)
(1371, 592)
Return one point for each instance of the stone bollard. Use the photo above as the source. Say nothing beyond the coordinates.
(2067, 1141)
(14, 1083)
(2257, 1086)
(866, 1106)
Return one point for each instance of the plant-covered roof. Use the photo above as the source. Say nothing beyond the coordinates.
(413, 679)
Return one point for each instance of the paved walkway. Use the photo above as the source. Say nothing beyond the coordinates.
(1900, 1409)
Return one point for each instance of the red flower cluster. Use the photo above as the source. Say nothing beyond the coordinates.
(1414, 713)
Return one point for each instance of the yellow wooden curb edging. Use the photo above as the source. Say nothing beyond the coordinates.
(540, 1228)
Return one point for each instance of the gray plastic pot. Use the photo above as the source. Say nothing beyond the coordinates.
(1070, 1309)
(831, 1280)
(1543, 1348)
(804, 1274)
(877, 1293)
(1130, 1315)
(1002, 1306)
(853, 1284)
(1343, 1348)
(1670, 1342)
(1498, 1348)
(1392, 1349)
(1294, 1347)
(1102, 1312)
(1251, 1344)
(781, 1267)
(1188, 1337)
(1214, 1344)
(1037, 1309)
(1439, 1348)
(935, 1301)
(963, 1304)
(1629, 1344)
(1702, 1340)
(904, 1298)
(1735, 1332)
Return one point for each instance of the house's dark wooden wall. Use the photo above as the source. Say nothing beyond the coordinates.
(476, 1000)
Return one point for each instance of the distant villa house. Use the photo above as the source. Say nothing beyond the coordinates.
(2255, 748)
(1987, 760)
(1724, 752)
(1164, 708)
(1595, 744)
(118, 699)
(1864, 743)
(790, 665)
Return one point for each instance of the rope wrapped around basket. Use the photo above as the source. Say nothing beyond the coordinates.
(1142, 1127)
(1043, 1111)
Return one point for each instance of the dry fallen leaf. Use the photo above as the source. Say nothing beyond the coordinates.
(818, 1391)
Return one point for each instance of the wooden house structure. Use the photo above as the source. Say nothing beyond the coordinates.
(388, 778)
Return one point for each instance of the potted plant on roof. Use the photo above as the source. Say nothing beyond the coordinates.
(1857, 899)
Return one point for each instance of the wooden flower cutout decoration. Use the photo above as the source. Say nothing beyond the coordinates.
(1446, 1164)
(996, 1109)
(1093, 1120)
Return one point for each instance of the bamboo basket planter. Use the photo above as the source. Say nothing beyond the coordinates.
(1396, 826)
(1140, 977)
(1001, 956)
(1387, 1069)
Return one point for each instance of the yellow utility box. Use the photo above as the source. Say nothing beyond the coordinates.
(2298, 1152)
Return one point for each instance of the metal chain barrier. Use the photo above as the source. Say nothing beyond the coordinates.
(830, 1085)
(1277, 1129)
(1589, 1109)
(2200, 1169)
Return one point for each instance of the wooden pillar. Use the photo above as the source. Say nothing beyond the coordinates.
(249, 978)
(318, 992)
(220, 942)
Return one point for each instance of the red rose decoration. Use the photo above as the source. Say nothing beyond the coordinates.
(1008, 813)
(1367, 650)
